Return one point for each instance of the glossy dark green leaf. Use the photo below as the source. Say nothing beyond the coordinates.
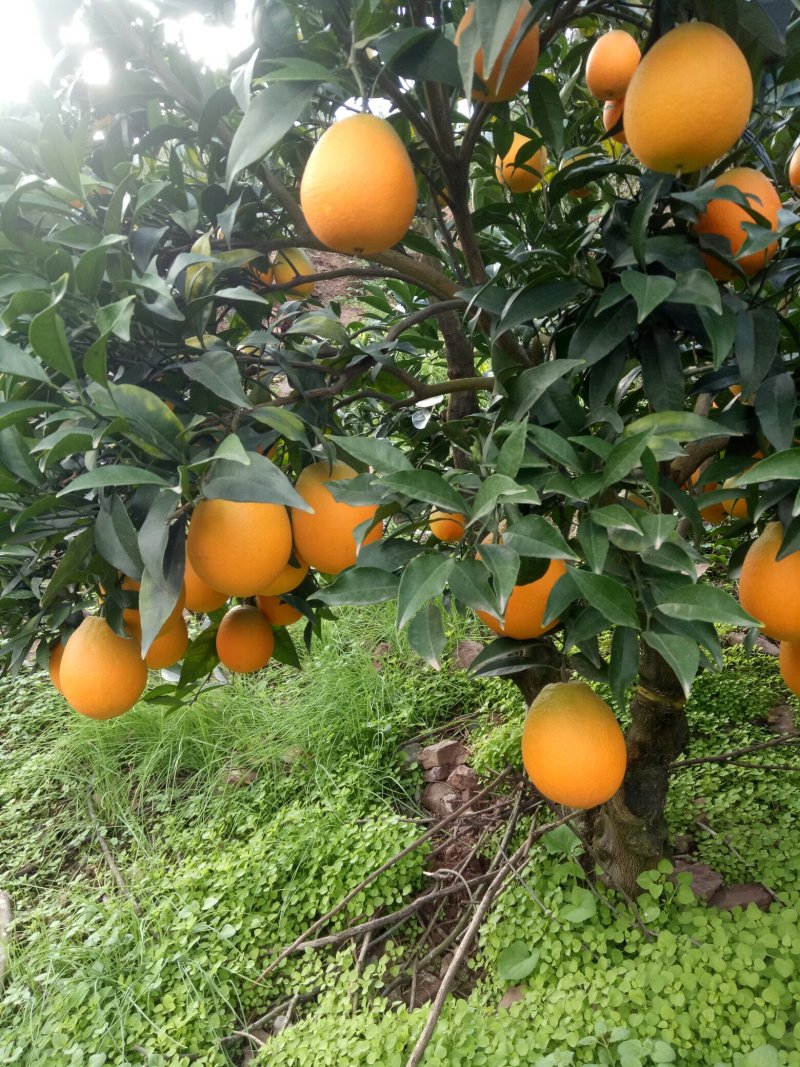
(648, 290)
(549, 111)
(427, 486)
(201, 657)
(259, 481)
(680, 653)
(598, 335)
(48, 338)
(359, 585)
(114, 474)
(608, 595)
(783, 465)
(503, 564)
(705, 603)
(376, 452)
(271, 113)
(20, 364)
(426, 634)
(469, 583)
(536, 301)
(534, 536)
(623, 663)
(218, 371)
(423, 579)
(534, 382)
(71, 567)
(776, 404)
(499, 487)
(116, 538)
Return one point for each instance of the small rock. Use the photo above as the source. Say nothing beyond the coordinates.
(465, 652)
(701, 568)
(437, 774)
(683, 844)
(440, 798)
(781, 721)
(705, 882)
(410, 753)
(739, 896)
(237, 777)
(378, 653)
(442, 754)
(513, 995)
(463, 778)
(426, 989)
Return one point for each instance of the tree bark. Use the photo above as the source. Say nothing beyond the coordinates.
(629, 833)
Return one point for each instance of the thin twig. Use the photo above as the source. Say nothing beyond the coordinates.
(112, 866)
(437, 828)
(725, 757)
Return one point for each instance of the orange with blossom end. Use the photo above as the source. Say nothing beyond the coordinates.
(102, 675)
(612, 114)
(769, 588)
(238, 548)
(519, 69)
(276, 611)
(789, 661)
(447, 526)
(168, 648)
(612, 61)
(325, 537)
(200, 597)
(245, 641)
(573, 748)
(525, 609)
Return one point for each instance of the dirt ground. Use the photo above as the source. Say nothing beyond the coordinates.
(345, 290)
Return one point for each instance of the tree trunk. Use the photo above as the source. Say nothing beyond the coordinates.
(629, 833)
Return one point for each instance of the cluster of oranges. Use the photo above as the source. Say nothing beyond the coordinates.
(236, 549)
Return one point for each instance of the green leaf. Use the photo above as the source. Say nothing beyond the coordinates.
(287, 424)
(359, 585)
(506, 656)
(516, 962)
(705, 603)
(218, 371)
(71, 567)
(782, 466)
(426, 634)
(58, 156)
(112, 475)
(512, 452)
(681, 653)
(537, 300)
(721, 330)
(148, 421)
(623, 457)
(271, 114)
(549, 111)
(557, 448)
(427, 486)
(469, 583)
(423, 579)
(376, 452)
(260, 481)
(19, 364)
(500, 487)
(116, 539)
(583, 906)
(776, 403)
(420, 54)
(600, 334)
(116, 318)
(648, 290)
(200, 658)
(623, 663)
(534, 382)
(48, 338)
(697, 287)
(608, 595)
(534, 536)
(757, 333)
(503, 565)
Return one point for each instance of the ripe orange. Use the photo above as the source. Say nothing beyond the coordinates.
(245, 641)
(168, 647)
(290, 577)
(101, 674)
(794, 170)
(520, 67)
(712, 513)
(54, 666)
(447, 526)
(525, 175)
(572, 746)
(265, 277)
(736, 506)
(576, 194)
(611, 63)
(789, 661)
(239, 548)
(199, 595)
(286, 266)
(723, 218)
(358, 191)
(769, 589)
(132, 616)
(526, 605)
(612, 113)
(276, 611)
(689, 99)
(325, 538)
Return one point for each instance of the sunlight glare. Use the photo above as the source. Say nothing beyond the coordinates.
(24, 58)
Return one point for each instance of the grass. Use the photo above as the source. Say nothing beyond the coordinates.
(237, 820)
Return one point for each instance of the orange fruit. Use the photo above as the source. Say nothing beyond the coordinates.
(735, 506)
(525, 608)
(245, 641)
(132, 616)
(689, 99)
(263, 276)
(325, 538)
(576, 194)
(520, 67)
(611, 63)
(573, 748)
(789, 661)
(290, 577)
(276, 611)
(612, 113)
(358, 191)
(168, 647)
(525, 175)
(199, 595)
(769, 589)
(447, 526)
(101, 674)
(239, 548)
(286, 266)
(712, 513)
(735, 389)
(723, 218)
(794, 170)
(54, 665)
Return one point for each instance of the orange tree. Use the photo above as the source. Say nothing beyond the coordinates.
(564, 371)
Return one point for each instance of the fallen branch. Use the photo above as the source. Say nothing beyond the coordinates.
(437, 828)
(727, 757)
(112, 866)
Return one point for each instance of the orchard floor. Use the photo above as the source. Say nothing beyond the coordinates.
(236, 821)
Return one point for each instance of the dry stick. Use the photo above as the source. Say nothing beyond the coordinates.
(107, 854)
(461, 952)
(248, 1037)
(381, 870)
(273, 1013)
(724, 757)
